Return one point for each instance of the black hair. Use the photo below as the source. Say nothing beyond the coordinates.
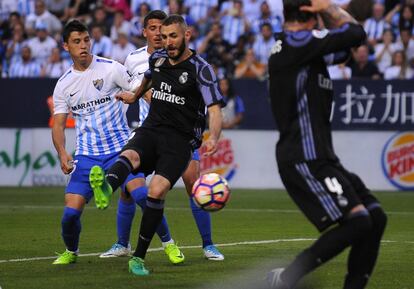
(73, 26)
(292, 13)
(14, 13)
(266, 24)
(230, 90)
(154, 14)
(406, 30)
(174, 19)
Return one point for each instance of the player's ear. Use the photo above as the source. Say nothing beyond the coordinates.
(65, 46)
(187, 34)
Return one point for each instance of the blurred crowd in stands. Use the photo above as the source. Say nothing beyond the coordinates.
(234, 36)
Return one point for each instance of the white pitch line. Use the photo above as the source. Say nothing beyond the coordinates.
(251, 210)
(196, 246)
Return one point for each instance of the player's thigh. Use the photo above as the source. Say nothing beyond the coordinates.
(175, 154)
(143, 141)
(79, 178)
(365, 195)
(337, 183)
(191, 174)
(322, 192)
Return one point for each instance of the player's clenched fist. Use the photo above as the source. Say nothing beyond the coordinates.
(317, 6)
(126, 97)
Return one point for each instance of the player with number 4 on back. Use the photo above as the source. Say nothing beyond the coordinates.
(301, 97)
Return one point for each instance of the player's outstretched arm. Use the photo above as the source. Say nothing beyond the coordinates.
(126, 97)
(215, 124)
(129, 97)
(58, 137)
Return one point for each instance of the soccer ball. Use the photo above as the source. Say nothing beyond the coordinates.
(211, 192)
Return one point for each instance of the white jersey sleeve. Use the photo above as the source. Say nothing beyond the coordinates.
(59, 103)
(137, 63)
(123, 78)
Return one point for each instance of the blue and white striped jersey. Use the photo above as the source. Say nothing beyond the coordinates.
(137, 64)
(20, 69)
(198, 9)
(233, 28)
(262, 48)
(103, 47)
(101, 123)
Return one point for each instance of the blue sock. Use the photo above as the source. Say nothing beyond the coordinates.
(124, 218)
(71, 228)
(140, 197)
(203, 221)
(163, 231)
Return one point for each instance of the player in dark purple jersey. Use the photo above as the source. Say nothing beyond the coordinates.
(183, 86)
(301, 97)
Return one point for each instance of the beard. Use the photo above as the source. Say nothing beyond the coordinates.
(180, 49)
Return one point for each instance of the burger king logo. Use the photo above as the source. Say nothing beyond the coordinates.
(222, 162)
(398, 160)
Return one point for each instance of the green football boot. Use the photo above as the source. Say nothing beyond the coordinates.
(174, 254)
(136, 266)
(65, 258)
(102, 191)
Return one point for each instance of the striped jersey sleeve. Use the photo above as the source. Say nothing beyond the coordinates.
(208, 84)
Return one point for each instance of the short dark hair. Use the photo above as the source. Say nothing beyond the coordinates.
(266, 24)
(406, 30)
(97, 25)
(73, 26)
(292, 13)
(14, 13)
(154, 14)
(174, 19)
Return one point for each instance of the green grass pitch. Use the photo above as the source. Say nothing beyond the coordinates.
(258, 229)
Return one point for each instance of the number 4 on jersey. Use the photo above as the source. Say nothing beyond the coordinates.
(333, 185)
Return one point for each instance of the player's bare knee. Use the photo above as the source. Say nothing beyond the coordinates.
(74, 201)
(133, 157)
(157, 193)
(158, 190)
(135, 184)
(158, 187)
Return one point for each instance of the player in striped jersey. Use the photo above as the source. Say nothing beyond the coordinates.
(88, 90)
(26, 66)
(137, 64)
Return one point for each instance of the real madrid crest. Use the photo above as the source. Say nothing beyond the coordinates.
(183, 77)
(159, 62)
(98, 83)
